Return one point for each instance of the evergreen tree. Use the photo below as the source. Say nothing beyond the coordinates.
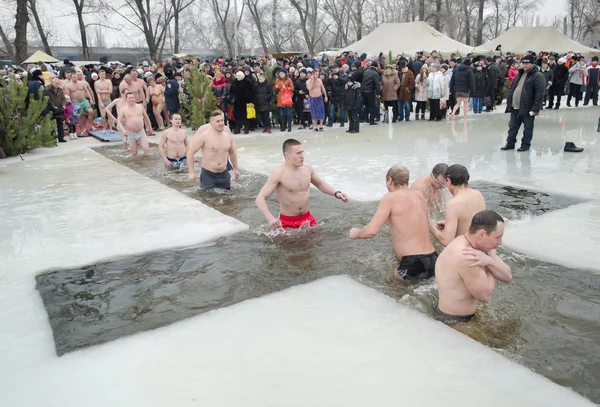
(201, 101)
(391, 58)
(23, 129)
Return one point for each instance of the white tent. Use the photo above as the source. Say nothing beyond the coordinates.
(409, 38)
(519, 40)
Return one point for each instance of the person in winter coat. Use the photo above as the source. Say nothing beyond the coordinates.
(512, 72)
(561, 78)
(524, 102)
(301, 94)
(337, 84)
(390, 83)
(480, 87)
(352, 99)
(241, 94)
(446, 97)
(407, 84)
(435, 92)
(221, 91)
(263, 93)
(592, 82)
(493, 72)
(57, 103)
(371, 89)
(282, 86)
(421, 92)
(548, 76)
(578, 77)
(35, 87)
(462, 85)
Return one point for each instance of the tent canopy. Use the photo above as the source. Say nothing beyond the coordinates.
(39, 56)
(519, 40)
(410, 38)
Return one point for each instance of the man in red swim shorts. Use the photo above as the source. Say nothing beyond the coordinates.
(291, 182)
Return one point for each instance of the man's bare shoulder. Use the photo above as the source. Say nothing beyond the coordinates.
(277, 173)
(418, 184)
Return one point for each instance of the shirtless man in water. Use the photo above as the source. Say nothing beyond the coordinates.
(432, 185)
(103, 88)
(175, 138)
(466, 270)
(131, 124)
(460, 209)
(405, 210)
(216, 143)
(291, 182)
(118, 103)
(79, 91)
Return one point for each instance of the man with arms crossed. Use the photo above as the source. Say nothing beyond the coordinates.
(432, 185)
(216, 144)
(460, 209)
(405, 211)
(291, 182)
(466, 270)
(103, 88)
(131, 124)
(175, 139)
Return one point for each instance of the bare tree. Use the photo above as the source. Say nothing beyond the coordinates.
(21, 21)
(479, 35)
(178, 7)
(150, 17)
(8, 49)
(80, 5)
(256, 16)
(514, 9)
(227, 22)
(438, 15)
(308, 12)
(32, 6)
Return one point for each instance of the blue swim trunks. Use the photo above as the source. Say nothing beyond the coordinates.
(178, 163)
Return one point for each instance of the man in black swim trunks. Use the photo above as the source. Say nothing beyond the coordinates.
(216, 143)
(468, 267)
(405, 211)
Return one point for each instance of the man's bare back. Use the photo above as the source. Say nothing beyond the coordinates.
(433, 196)
(466, 270)
(460, 209)
(405, 211)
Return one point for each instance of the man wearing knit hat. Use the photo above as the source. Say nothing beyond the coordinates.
(524, 102)
(561, 77)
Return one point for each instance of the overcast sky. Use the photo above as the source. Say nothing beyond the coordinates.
(67, 33)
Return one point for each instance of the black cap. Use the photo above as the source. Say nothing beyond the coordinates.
(527, 60)
(594, 59)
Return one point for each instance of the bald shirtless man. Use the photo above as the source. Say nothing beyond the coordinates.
(291, 182)
(432, 185)
(216, 143)
(103, 88)
(79, 91)
(405, 211)
(175, 138)
(126, 83)
(466, 270)
(131, 124)
(460, 209)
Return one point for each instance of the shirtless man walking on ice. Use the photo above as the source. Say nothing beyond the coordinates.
(460, 209)
(103, 88)
(175, 138)
(291, 182)
(466, 270)
(216, 144)
(405, 210)
(79, 91)
(432, 185)
(131, 124)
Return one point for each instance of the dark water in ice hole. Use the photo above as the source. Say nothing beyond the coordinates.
(548, 319)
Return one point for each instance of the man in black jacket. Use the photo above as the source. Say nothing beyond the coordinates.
(371, 88)
(524, 102)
